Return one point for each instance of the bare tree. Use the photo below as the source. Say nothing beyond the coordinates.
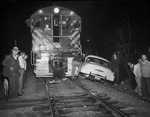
(129, 36)
(122, 47)
(122, 44)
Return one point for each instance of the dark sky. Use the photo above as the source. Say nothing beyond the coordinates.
(100, 20)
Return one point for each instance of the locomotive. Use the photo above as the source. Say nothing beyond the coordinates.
(55, 34)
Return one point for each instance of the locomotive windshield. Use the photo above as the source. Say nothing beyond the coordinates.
(67, 23)
(37, 21)
(47, 22)
(42, 22)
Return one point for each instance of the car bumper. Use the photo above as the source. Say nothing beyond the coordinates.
(92, 76)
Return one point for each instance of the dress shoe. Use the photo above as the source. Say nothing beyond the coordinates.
(20, 94)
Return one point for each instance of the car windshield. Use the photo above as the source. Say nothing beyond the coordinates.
(98, 61)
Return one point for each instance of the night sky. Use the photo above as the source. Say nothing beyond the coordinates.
(100, 21)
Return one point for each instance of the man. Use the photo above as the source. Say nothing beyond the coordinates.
(25, 63)
(148, 56)
(58, 73)
(22, 71)
(137, 73)
(115, 67)
(11, 70)
(76, 62)
(145, 80)
(132, 76)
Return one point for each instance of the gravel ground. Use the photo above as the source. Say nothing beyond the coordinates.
(20, 112)
(123, 94)
(29, 93)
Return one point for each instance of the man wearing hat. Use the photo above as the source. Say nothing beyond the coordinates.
(11, 71)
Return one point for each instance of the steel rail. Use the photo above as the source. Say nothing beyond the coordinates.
(49, 98)
(55, 113)
(109, 107)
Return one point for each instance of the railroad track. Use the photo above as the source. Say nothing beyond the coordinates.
(85, 104)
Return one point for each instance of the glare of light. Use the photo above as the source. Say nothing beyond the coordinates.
(45, 18)
(71, 13)
(56, 10)
(40, 11)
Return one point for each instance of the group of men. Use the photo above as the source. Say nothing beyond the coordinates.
(141, 72)
(14, 71)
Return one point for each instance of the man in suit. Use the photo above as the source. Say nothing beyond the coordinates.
(11, 71)
(22, 71)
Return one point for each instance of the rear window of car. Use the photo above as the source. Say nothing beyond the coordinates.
(98, 61)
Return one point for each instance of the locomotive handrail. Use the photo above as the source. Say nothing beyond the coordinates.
(60, 36)
(61, 25)
(56, 51)
(32, 56)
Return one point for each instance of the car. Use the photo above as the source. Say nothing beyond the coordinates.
(97, 68)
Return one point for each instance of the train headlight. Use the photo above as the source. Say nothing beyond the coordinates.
(56, 10)
(40, 11)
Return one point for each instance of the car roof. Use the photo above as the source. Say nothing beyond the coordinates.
(93, 56)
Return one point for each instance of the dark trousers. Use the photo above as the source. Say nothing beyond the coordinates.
(21, 77)
(59, 73)
(117, 79)
(145, 86)
(13, 86)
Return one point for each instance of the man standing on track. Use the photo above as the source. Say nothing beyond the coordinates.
(11, 70)
(25, 63)
(22, 71)
(76, 62)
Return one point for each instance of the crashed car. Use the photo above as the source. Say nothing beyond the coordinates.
(96, 68)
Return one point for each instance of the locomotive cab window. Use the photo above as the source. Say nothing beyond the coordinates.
(56, 21)
(56, 29)
(47, 23)
(37, 21)
(37, 24)
(75, 24)
(64, 22)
